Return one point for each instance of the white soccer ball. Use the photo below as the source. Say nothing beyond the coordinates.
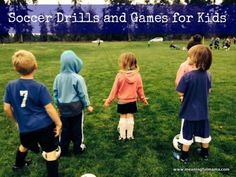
(88, 175)
(177, 145)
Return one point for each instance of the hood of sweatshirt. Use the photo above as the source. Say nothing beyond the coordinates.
(70, 62)
(130, 76)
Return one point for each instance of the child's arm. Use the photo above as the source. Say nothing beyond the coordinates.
(113, 93)
(8, 110)
(179, 74)
(55, 117)
(82, 91)
(140, 91)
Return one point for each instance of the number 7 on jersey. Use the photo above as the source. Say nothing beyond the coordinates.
(24, 93)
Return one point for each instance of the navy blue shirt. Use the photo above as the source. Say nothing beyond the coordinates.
(28, 98)
(195, 86)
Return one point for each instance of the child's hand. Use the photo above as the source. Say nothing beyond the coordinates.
(181, 98)
(106, 104)
(145, 101)
(90, 109)
(57, 130)
(17, 126)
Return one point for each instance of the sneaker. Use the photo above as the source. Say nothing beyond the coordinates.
(121, 139)
(81, 149)
(130, 138)
(199, 152)
(177, 156)
(27, 163)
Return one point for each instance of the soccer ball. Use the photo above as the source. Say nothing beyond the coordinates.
(177, 145)
(88, 175)
(58, 153)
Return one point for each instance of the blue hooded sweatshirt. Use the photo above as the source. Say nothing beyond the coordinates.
(69, 86)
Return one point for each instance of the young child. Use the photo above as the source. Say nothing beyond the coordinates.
(194, 86)
(185, 67)
(28, 104)
(127, 87)
(71, 97)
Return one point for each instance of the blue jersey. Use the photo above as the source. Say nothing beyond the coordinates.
(28, 98)
(195, 85)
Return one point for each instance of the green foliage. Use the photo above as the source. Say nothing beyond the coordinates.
(150, 154)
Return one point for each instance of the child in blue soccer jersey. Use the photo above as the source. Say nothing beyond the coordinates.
(28, 104)
(194, 87)
(71, 97)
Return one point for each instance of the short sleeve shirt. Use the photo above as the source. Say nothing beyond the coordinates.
(195, 86)
(28, 98)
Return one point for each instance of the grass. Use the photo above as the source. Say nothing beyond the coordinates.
(150, 154)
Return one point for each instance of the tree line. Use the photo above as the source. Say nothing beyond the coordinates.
(77, 32)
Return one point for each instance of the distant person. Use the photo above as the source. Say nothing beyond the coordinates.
(211, 43)
(149, 43)
(127, 87)
(28, 104)
(227, 44)
(71, 97)
(99, 41)
(174, 46)
(217, 43)
(196, 39)
(194, 88)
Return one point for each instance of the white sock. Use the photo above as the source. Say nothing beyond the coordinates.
(122, 128)
(130, 128)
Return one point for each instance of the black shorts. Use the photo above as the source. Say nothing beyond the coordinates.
(44, 137)
(127, 108)
(198, 131)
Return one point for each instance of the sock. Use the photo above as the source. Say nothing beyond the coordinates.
(130, 127)
(20, 158)
(122, 124)
(52, 168)
(204, 151)
(184, 155)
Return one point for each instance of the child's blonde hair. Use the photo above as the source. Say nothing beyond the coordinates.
(24, 62)
(201, 56)
(128, 61)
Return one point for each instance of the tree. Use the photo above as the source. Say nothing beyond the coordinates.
(43, 31)
(4, 24)
(22, 29)
(120, 2)
(199, 1)
(60, 28)
(228, 1)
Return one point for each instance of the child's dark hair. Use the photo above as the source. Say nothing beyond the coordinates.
(196, 39)
(201, 56)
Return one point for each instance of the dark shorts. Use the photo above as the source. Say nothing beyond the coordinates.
(127, 108)
(44, 137)
(198, 131)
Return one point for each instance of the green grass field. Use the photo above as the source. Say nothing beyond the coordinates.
(150, 154)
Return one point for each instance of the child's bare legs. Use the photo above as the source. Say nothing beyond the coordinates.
(130, 125)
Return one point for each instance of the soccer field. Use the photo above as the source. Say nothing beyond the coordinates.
(150, 154)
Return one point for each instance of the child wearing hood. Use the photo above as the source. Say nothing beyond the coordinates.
(71, 97)
(127, 87)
